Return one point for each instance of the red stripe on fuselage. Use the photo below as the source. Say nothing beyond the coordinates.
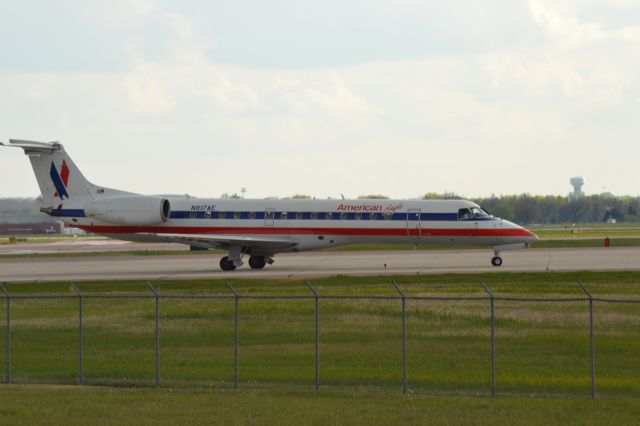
(267, 230)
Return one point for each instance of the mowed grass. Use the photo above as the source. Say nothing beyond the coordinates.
(542, 346)
(586, 230)
(71, 405)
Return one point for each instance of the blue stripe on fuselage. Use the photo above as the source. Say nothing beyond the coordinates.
(424, 217)
(68, 213)
(245, 215)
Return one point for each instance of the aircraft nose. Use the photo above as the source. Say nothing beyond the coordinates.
(523, 234)
(531, 236)
(527, 236)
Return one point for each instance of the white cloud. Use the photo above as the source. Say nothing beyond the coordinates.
(146, 92)
(180, 24)
(509, 119)
(568, 31)
(220, 88)
(571, 32)
(329, 94)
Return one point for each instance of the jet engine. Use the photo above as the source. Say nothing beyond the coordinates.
(129, 209)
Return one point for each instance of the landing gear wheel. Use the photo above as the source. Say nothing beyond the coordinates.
(226, 264)
(496, 261)
(257, 262)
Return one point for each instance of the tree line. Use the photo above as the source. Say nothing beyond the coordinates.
(549, 209)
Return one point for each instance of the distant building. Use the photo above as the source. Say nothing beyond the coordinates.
(577, 183)
(30, 228)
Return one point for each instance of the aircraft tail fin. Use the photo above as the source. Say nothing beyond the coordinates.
(58, 177)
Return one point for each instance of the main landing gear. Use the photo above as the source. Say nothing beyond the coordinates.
(226, 264)
(496, 261)
(255, 262)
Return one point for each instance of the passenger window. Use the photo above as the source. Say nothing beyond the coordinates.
(236, 215)
(388, 215)
(343, 216)
(252, 215)
(269, 214)
(193, 215)
(207, 215)
(358, 216)
(299, 215)
(314, 215)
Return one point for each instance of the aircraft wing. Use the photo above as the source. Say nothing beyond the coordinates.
(226, 241)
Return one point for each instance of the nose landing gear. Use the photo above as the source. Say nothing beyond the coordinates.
(496, 260)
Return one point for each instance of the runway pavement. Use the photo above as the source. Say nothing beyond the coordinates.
(315, 264)
(83, 245)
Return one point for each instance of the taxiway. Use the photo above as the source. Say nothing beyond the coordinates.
(316, 264)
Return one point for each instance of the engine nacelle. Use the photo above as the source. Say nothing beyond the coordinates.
(129, 209)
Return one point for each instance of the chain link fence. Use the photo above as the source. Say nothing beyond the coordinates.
(404, 337)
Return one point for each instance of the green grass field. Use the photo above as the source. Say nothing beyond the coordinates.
(542, 350)
(542, 346)
(73, 405)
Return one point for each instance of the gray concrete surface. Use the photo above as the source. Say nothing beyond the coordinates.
(314, 264)
(83, 245)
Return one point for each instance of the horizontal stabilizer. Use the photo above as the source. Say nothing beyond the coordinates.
(33, 146)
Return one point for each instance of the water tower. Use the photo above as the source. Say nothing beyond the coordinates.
(577, 183)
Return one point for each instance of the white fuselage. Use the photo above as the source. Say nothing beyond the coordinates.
(315, 224)
(258, 228)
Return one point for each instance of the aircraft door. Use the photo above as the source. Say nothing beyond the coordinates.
(414, 228)
(269, 216)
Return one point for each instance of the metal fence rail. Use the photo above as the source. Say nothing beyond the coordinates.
(481, 344)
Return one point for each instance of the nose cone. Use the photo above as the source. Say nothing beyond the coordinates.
(530, 237)
(522, 234)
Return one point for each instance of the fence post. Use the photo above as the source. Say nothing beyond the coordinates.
(235, 356)
(80, 333)
(152, 288)
(8, 296)
(591, 341)
(493, 341)
(405, 387)
(315, 294)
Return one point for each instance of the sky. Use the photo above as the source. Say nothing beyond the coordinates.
(326, 98)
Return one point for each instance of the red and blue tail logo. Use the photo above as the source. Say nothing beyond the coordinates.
(60, 180)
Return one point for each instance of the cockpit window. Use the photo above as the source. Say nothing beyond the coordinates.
(465, 214)
(480, 212)
(473, 213)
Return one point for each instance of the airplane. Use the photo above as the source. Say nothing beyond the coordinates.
(259, 229)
